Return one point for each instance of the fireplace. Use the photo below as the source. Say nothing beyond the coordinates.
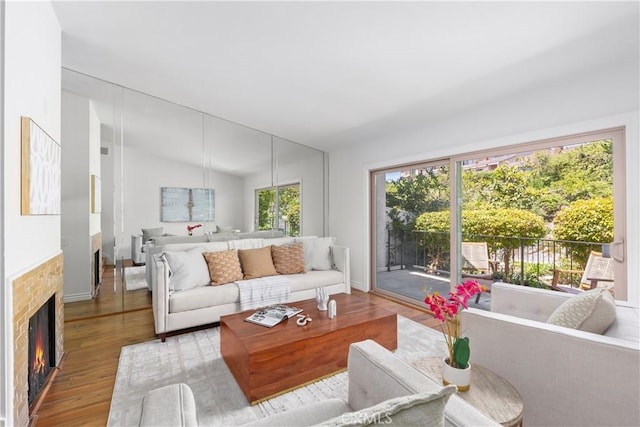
(97, 270)
(41, 347)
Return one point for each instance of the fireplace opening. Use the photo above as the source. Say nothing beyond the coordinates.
(96, 273)
(41, 347)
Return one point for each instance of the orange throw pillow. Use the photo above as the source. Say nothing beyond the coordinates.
(288, 259)
(257, 262)
(224, 266)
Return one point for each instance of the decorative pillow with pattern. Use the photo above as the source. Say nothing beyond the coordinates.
(224, 266)
(288, 259)
(257, 262)
(591, 311)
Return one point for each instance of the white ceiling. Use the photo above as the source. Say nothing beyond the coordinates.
(328, 73)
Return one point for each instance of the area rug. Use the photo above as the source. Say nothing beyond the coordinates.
(135, 278)
(195, 359)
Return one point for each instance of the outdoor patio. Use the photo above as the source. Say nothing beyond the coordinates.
(415, 284)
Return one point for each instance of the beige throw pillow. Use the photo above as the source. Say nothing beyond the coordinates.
(257, 262)
(224, 266)
(591, 311)
(288, 259)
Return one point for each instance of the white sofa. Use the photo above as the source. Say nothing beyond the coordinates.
(142, 253)
(566, 377)
(383, 390)
(176, 310)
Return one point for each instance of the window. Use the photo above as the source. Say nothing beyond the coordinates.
(519, 215)
(279, 208)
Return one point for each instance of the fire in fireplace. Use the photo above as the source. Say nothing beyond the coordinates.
(42, 347)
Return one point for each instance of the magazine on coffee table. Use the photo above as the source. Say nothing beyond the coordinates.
(272, 315)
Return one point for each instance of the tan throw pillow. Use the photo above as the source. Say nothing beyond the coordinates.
(288, 259)
(591, 311)
(224, 266)
(257, 262)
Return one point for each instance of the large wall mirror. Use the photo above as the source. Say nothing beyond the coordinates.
(147, 144)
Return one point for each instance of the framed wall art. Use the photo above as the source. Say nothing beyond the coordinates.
(40, 171)
(96, 194)
(187, 204)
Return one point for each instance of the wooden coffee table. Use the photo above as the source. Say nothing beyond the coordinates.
(269, 361)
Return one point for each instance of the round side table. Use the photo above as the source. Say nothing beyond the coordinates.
(489, 392)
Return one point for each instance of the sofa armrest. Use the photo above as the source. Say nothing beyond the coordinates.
(525, 302)
(565, 376)
(342, 262)
(160, 291)
(137, 255)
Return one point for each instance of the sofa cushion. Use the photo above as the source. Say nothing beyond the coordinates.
(315, 279)
(317, 252)
(188, 269)
(626, 326)
(204, 297)
(149, 233)
(288, 259)
(591, 311)
(224, 266)
(205, 247)
(163, 240)
(421, 409)
(257, 262)
(246, 243)
(224, 229)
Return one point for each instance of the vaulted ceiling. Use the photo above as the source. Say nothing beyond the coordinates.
(322, 73)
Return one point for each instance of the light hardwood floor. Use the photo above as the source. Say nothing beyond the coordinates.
(80, 395)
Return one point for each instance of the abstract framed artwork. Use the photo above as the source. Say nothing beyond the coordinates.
(40, 170)
(96, 194)
(187, 204)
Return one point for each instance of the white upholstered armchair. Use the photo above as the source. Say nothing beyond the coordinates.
(565, 376)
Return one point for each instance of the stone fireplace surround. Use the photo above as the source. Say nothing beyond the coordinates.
(30, 291)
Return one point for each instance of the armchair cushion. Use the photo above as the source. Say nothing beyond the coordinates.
(591, 311)
(421, 409)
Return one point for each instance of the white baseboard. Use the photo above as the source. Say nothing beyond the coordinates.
(85, 296)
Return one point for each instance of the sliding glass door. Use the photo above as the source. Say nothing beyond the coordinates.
(410, 254)
(548, 214)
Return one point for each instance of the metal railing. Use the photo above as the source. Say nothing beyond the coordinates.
(522, 260)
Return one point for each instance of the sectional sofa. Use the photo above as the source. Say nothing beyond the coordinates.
(192, 302)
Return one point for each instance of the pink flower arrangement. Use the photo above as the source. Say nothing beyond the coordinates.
(447, 311)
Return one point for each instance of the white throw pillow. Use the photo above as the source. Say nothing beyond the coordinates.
(188, 269)
(317, 252)
(425, 408)
(591, 311)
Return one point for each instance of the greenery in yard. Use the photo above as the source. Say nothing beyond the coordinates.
(585, 221)
(503, 224)
(566, 189)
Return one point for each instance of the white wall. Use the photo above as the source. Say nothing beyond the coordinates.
(76, 242)
(31, 88)
(597, 100)
(145, 174)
